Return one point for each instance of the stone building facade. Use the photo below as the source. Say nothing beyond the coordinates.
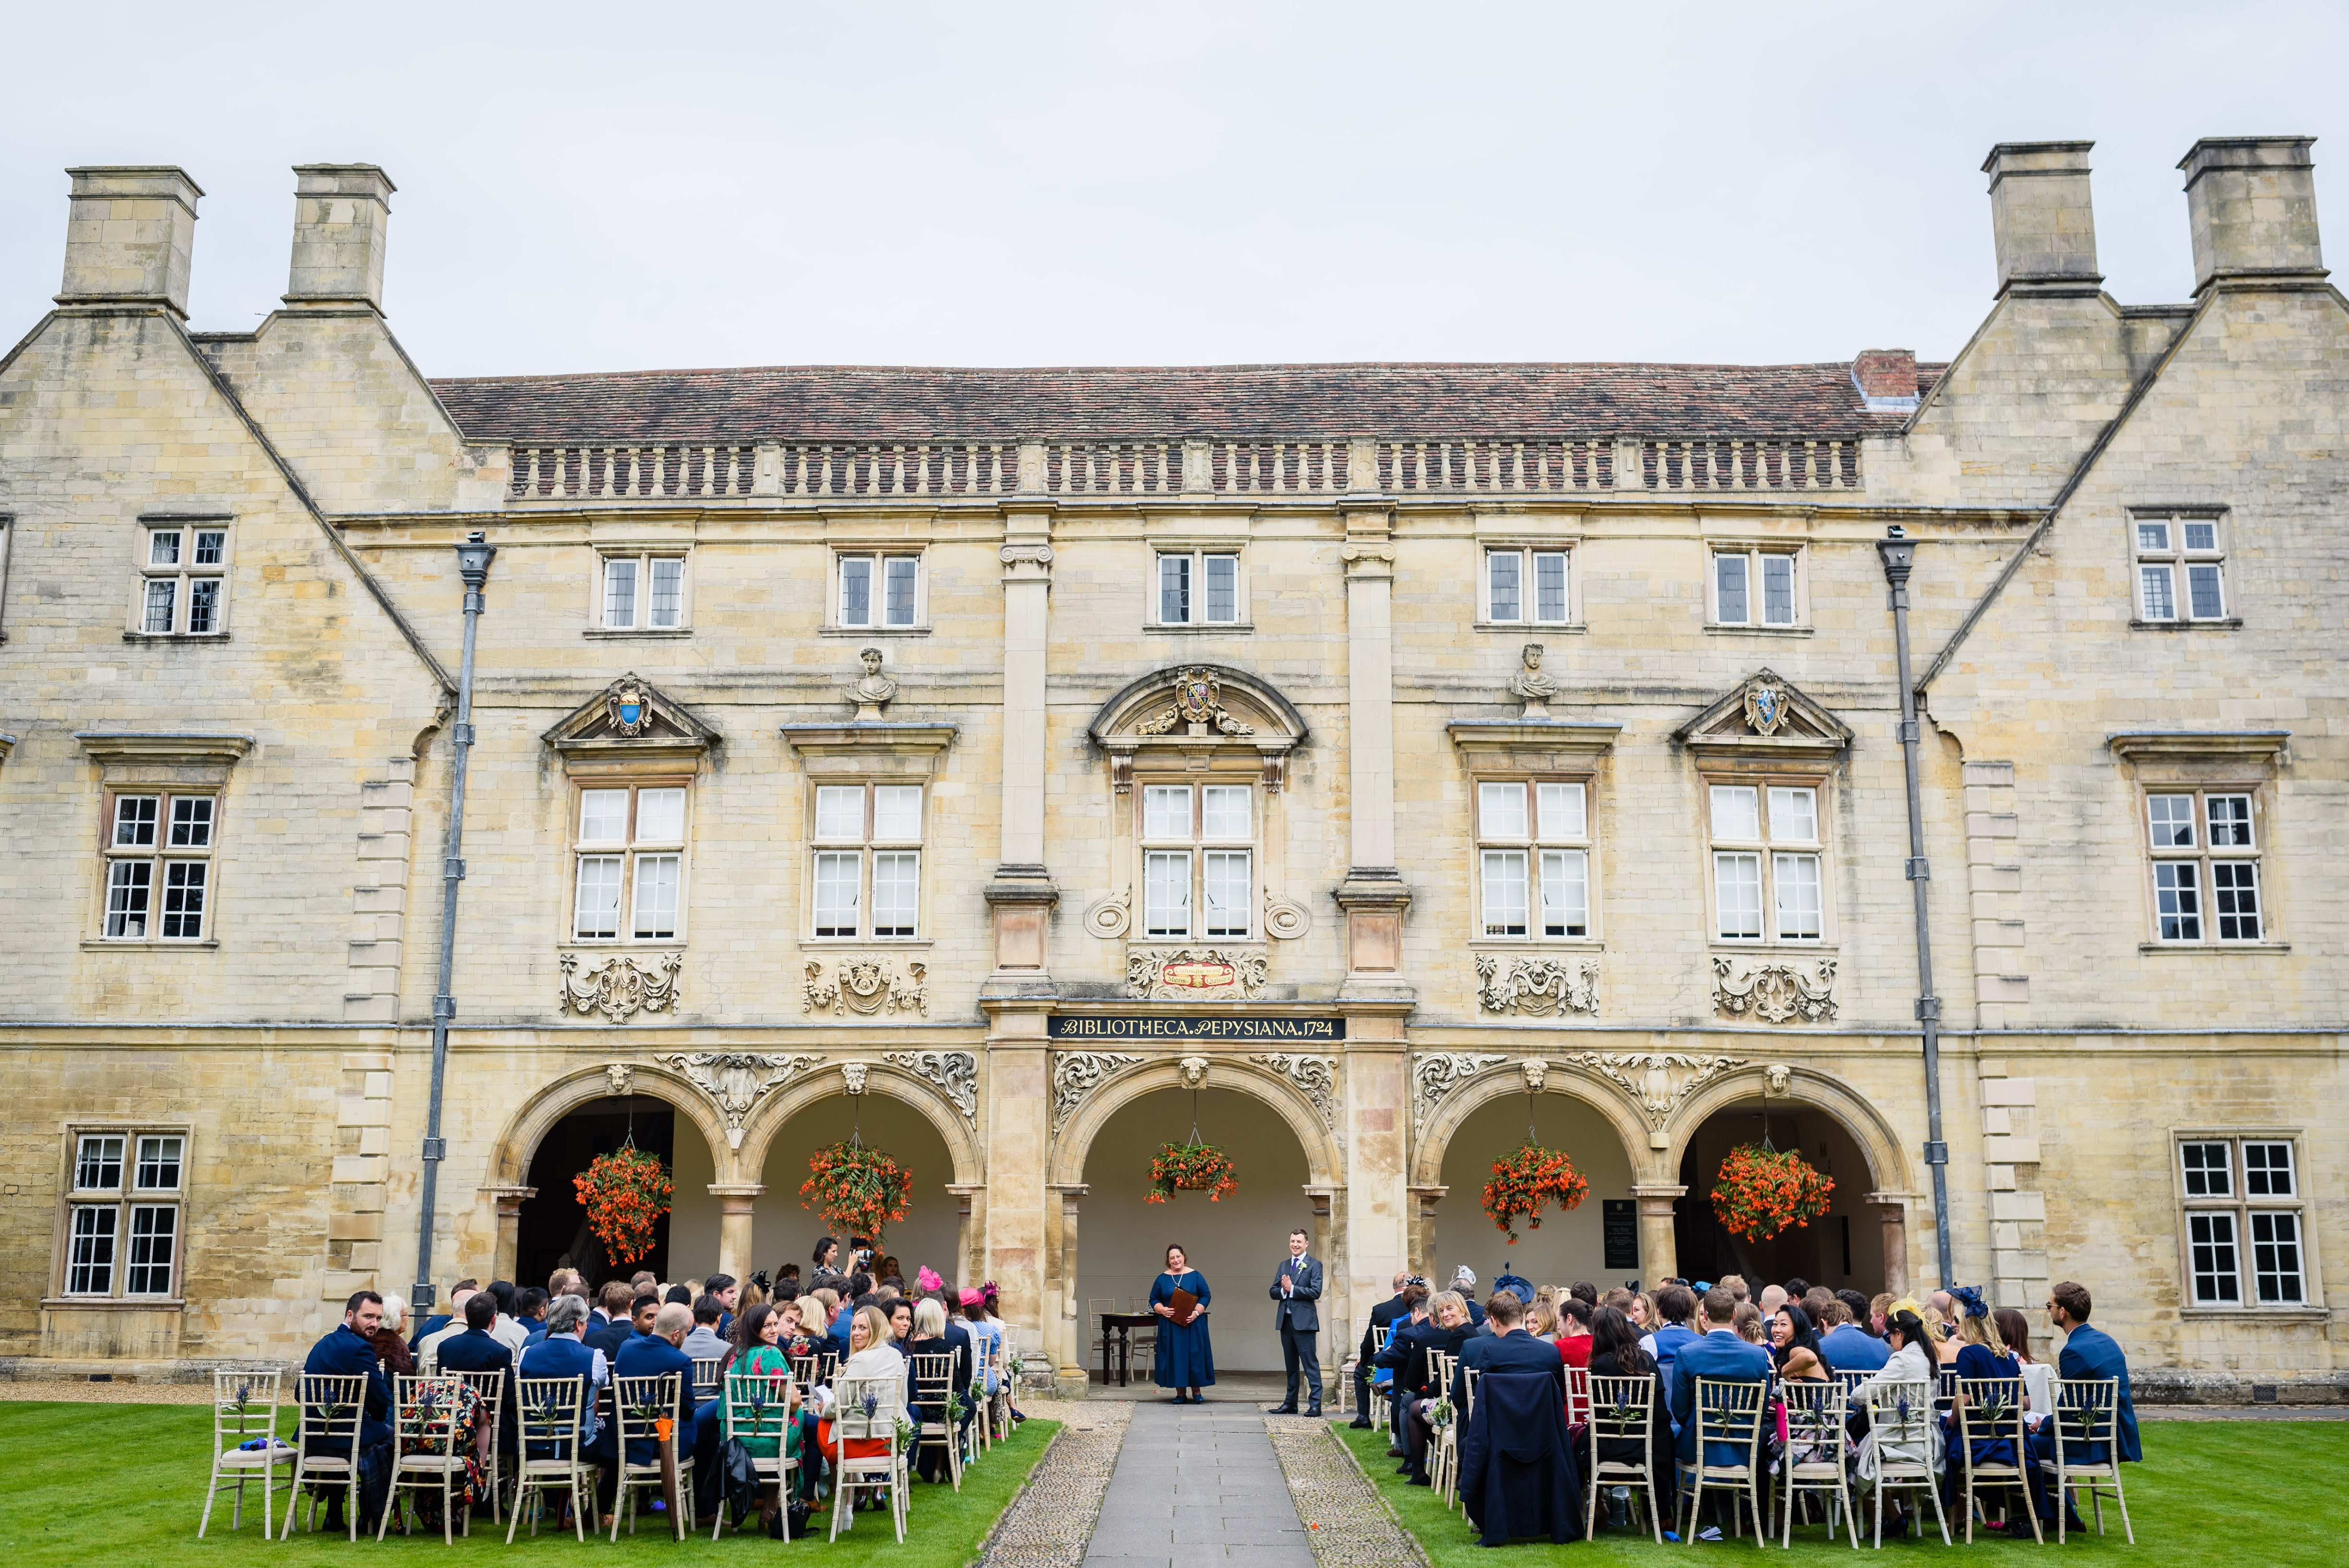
(1396, 749)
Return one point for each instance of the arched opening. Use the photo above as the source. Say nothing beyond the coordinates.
(1597, 1241)
(553, 1233)
(1237, 1241)
(1844, 1250)
(784, 1233)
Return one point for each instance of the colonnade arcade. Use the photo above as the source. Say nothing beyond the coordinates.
(1637, 1124)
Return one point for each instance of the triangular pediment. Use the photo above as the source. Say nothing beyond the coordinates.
(631, 718)
(1765, 714)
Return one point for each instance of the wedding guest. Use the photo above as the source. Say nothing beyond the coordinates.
(1574, 1320)
(728, 1292)
(928, 1337)
(1443, 1329)
(1848, 1347)
(1185, 1360)
(1508, 1349)
(2091, 1354)
(1879, 1309)
(1583, 1291)
(762, 1356)
(657, 1354)
(435, 1322)
(1719, 1355)
(1614, 1353)
(1942, 1335)
(1382, 1315)
(1675, 1304)
(2015, 1332)
(1856, 1304)
(399, 1361)
(1736, 1286)
(1794, 1345)
(1540, 1320)
(348, 1351)
(1773, 1296)
(706, 1341)
(1396, 1359)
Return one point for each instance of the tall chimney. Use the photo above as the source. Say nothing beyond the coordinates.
(2045, 229)
(340, 214)
(2251, 201)
(129, 237)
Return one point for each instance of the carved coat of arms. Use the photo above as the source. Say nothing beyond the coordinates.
(1766, 707)
(1198, 701)
(631, 708)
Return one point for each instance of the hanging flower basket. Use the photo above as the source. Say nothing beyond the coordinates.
(625, 1192)
(1527, 1182)
(1192, 1168)
(860, 1192)
(1761, 1191)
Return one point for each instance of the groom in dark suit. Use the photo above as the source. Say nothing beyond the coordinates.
(1297, 1288)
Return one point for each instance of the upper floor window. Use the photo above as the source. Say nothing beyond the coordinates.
(182, 579)
(2242, 1203)
(878, 591)
(1756, 587)
(867, 860)
(1198, 859)
(2206, 865)
(2181, 569)
(1199, 588)
(1533, 855)
(1768, 878)
(628, 859)
(158, 864)
(123, 1199)
(1527, 586)
(643, 592)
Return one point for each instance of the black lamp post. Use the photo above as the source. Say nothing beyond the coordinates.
(473, 565)
(1899, 553)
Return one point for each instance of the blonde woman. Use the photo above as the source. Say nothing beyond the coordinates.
(1541, 1322)
(1942, 1335)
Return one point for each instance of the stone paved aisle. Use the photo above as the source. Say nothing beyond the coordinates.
(1197, 1484)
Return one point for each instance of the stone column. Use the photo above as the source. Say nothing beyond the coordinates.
(1332, 1307)
(1376, 1208)
(734, 1202)
(1659, 1250)
(967, 1268)
(1373, 895)
(1423, 1231)
(1071, 1352)
(1022, 893)
(1018, 1230)
(1892, 1209)
(510, 1201)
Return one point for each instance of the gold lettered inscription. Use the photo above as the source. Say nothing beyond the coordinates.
(1116, 1026)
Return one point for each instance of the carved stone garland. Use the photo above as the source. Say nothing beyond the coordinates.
(955, 1072)
(1536, 987)
(1188, 973)
(617, 988)
(1657, 1081)
(1435, 1074)
(1774, 990)
(1076, 1074)
(864, 984)
(735, 1081)
(1315, 1076)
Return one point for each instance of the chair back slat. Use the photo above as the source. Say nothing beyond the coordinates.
(933, 1377)
(245, 1406)
(1814, 1419)
(639, 1402)
(424, 1413)
(1728, 1411)
(851, 1417)
(332, 1408)
(2087, 1412)
(804, 1369)
(1380, 1336)
(704, 1375)
(758, 1405)
(1468, 1380)
(549, 1411)
(1990, 1410)
(1577, 1394)
(1622, 1406)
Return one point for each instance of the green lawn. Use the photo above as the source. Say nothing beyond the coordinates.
(2217, 1491)
(125, 1483)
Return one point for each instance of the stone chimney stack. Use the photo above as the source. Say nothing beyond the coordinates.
(2044, 228)
(2251, 201)
(340, 214)
(129, 237)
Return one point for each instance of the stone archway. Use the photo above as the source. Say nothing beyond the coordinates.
(507, 1185)
(1886, 1187)
(1317, 1203)
(1608, 1117)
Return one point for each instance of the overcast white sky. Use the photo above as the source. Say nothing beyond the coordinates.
(607, 187)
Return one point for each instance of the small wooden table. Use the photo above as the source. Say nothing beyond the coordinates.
(1117, 1342)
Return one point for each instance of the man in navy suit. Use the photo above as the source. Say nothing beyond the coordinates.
(649, 1356)
(614, 1336)
(2089, 1354)
(1295, 1291)
(565, 1353)
(1508, 1349)
(347, 1353)
(1720, 1356)
(1848, 1347)
(1385, 1313)
(478, 1350)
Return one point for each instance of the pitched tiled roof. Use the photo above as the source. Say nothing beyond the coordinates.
(1295, 402)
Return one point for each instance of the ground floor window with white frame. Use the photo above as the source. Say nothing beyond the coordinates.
(123, 1220)
(2245, 1240)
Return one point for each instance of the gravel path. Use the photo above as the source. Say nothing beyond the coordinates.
(1345, 1519)
(1049, 1522)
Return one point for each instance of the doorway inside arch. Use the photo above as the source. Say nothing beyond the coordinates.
(783, 1232)
(1844, 1250)
(553, 1231)
(1237, 1241)
(1569, 1247)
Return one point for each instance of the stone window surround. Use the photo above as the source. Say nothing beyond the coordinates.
(2241, 762)
(2241, 1203)
(1567, 544)
(72, 1132)
(1560, 751)
(651, 774)
(2178, 556)
(142, 571)
(1198, 844)
(1535, 841)
(1716, 545)
(643, 550)
(1197, 546)
(159, 762)
(8, 539)
(1762, 778)
(867, 753)
(880, 549)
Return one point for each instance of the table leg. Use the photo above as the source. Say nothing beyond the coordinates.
(1105, 1355)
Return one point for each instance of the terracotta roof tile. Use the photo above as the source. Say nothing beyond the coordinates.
(886, 403)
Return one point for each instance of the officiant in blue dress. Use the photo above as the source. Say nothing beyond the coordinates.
(1186, 1361)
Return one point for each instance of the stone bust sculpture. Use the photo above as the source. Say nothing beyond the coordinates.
(873, 688)
(1531, 684)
